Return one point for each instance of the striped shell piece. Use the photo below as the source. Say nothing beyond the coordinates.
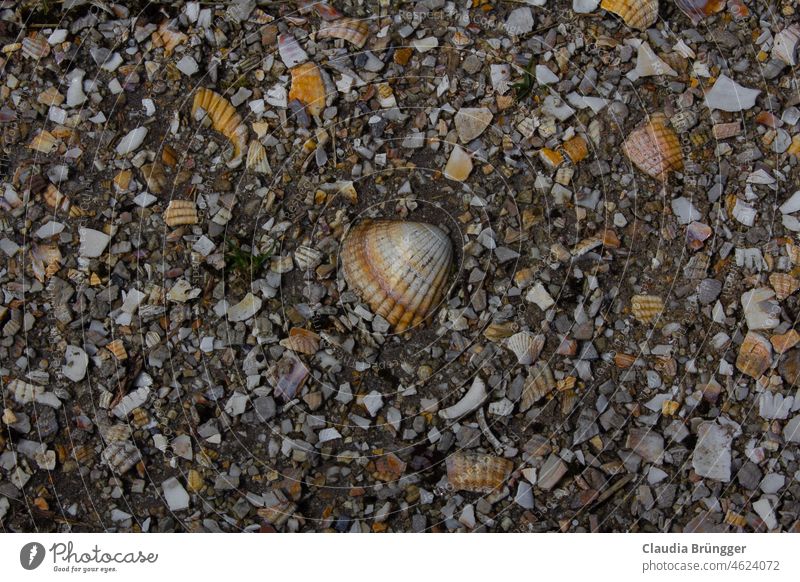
(180, 212)
(755, 355)
(399, 268)
(787, 45)
(302, 341)
(224, 119)
(783, 284)
(540, 383)
(646, 308)
(121, 456)
(257, 158)
(353, 30)
(308, 87)
(477, 473)
(639, 14)
(654, 148)
(526, 346)
(55, 199)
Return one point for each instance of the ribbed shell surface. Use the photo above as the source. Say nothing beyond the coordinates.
(398, 268)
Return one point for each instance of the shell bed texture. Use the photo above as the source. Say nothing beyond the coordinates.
(400, 266)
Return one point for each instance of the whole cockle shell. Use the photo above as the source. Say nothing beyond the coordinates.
(755, 355)
(477, 473)
(398, 268)
(696, 10)
(180, 212)
(308, 87)
(639, 14)
(224, 119)
(540, 383)
(307, 258)
(352, 30)
(646, 308)
(783, 284)
(257, 158)
(787, 44)
(526, 346)
(302, 341)
(121, 456)
(654, 148)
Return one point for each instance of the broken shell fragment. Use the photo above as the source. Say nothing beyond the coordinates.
(121, 456)
(539, 384)
(245, 309)
(117, 349)
(654, 148)
(646, 308)
(787, 44)
(302, 341)
(307, 258)
(526, 346)
(224, 119)
(180, 212)
(576, 149)
(696, 10)
(755, 355)
(783, 284)
(308, 88)
(474, 397)
(353, 30)
(639, 14)
(257, 158)
(398, 268)
(477, 473)
(459, 165)
(291, 53)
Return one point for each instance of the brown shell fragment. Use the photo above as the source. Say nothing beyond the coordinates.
(180, 212)
(646, 308)
(224, 119)
(117, 348)
(302, 341)
(576, 149)
(540, 383)
(477, 473)
(308, 87)
(353, 30)
(121, 456)
(639, 14)
(783, 284)
(257, 158)
(755, 355)
(654, 148)
(398, 268)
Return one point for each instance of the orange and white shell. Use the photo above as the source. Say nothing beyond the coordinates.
(654, 148)
(639, 14)
(308, 87)
(398, 268)
(353, 30)
(755, 355)
(477, 473)
(180, 212)
(224, 119)
(646, 308)
(302, 341)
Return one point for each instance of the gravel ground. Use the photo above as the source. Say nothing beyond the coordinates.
(569, 305)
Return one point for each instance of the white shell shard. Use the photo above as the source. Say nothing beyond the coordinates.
(398, 268)
(526, 346)
(792, 204)
(132, 141)
(786, 45)
(459, 165)
(75, 363)
(474, 397)
(245, 309)
(712, 453)
(761, 310)
(291, 53)
(728, 95)
(648, 64)
(471, 122)
(93, 242)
